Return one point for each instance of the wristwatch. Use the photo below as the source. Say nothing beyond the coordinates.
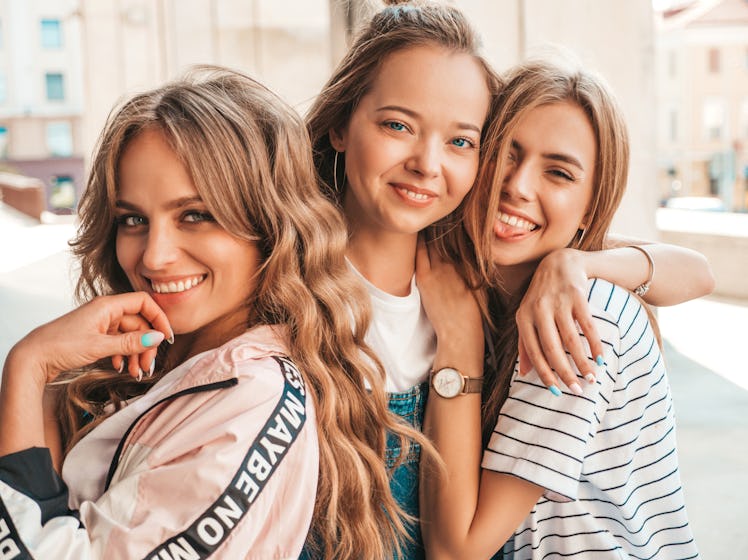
(449, 383)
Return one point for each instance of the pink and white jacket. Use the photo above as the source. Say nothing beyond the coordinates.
(219, 459)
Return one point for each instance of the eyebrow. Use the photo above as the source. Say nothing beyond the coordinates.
(566, 158)
(171, 205)
(413, 114)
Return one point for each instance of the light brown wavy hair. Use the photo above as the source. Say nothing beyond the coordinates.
(394, 28)
(249, 156)
(527, 87)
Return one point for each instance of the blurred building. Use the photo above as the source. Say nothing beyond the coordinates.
(41, 97)
(702, 85)
(110, 49)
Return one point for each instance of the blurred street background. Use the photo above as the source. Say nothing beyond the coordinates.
(679, 68)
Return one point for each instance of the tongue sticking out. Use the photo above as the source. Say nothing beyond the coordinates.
(505, 231)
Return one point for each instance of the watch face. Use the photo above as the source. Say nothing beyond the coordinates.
(447, 382)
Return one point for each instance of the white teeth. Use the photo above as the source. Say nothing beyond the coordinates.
(414, 195)
(176, 287)
(514, 221)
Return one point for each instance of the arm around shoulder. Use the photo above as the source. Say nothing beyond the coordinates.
(678, 274)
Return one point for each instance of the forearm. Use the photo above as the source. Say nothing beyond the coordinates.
(680, 274)
(21, 414)
(449, 502)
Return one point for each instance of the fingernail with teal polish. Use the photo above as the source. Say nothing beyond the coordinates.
(599, 361)
(553, 389)
(153, 368)
(151, 338)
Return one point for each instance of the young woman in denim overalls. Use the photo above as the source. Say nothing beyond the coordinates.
(396, 134)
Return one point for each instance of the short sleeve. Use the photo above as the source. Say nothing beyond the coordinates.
(545, 439)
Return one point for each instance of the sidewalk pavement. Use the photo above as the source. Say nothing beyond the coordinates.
(703, 349)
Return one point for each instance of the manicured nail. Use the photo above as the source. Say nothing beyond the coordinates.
(170, 340)
(590, 377)
(599, 361)
(140, 375)
(153, 368)
(553, 389)
(121, 366)
(576, 389)
(151, 338)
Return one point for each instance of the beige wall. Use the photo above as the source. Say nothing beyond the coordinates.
(616, 39)
(132, 45)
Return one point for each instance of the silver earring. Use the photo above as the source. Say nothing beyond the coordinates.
(335, 172)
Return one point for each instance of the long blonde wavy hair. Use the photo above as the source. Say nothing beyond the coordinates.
(249, 156)
(527, 87)
(396, 27)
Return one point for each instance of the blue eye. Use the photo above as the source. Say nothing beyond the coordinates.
(395, 125)
(463, 143)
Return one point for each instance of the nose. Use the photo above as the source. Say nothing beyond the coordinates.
(426, 159)
(161, 247)
(518, 182)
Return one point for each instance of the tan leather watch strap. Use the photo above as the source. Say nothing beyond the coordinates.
(472, 385)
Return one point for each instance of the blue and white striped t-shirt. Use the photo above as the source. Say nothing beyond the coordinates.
(606, 459)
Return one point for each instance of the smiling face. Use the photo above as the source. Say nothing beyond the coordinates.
(547, 186)
(412, 143)
(171, 247)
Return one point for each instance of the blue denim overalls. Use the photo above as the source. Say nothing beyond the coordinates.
(409, 406)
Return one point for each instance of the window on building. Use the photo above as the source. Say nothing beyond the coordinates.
(714, 119)
(3, 142)
(59, 139)
(55, 86)
(51, 34)
(714, 60)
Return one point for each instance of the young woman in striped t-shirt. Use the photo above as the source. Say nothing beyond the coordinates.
(589, 472)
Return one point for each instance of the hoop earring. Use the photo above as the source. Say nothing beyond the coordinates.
(335, 172)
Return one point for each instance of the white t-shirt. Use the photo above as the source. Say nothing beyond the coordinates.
(400, 335)
(607, 459)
